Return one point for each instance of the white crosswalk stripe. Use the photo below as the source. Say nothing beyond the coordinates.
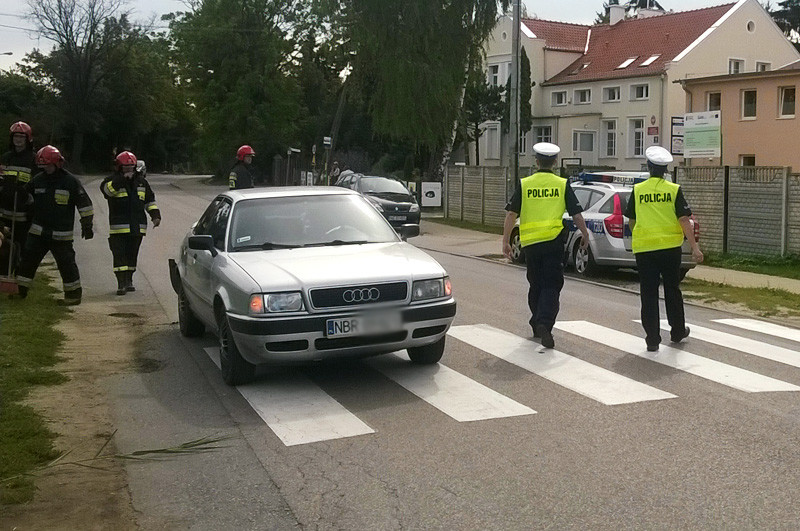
(765, 328)
(448, 391)
(743, 344)
(589, 380)
(715, 371)
(297, 410)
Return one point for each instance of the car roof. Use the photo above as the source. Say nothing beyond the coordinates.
(287, 191)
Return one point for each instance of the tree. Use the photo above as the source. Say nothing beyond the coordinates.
(525, 92)
(787, 16)
(482, 102)
(78, 27)
(603, 16)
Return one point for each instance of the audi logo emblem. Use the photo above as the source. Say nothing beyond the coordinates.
(361, 295)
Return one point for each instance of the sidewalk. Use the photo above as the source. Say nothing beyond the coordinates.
(464, 242)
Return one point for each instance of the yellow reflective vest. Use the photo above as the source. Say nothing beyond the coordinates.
(543, 205)
(657, 225)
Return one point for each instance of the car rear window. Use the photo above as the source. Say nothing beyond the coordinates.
(608, 206)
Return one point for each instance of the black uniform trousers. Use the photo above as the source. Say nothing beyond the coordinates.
(545, 263)
(36, 247)
(125, 250)
(653, 267)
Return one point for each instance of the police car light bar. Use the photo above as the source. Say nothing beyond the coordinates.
(609, 178)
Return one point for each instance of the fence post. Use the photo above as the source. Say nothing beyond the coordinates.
(725, 191)
(483, 196)
(785, 211)
(461, 214)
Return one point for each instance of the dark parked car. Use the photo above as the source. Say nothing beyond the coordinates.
(390, 197)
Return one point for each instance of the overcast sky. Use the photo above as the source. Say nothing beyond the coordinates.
(21, 41)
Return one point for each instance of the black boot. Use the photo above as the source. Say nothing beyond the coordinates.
(72, 297)
(129, 281)
(121, 282)
(21, 293)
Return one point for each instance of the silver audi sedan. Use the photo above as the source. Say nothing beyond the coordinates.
(299, 274)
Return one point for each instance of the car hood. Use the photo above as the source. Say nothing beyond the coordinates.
(293, 269)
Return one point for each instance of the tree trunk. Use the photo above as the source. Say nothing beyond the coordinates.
(477, 145)
(448, 149)
(77, 150)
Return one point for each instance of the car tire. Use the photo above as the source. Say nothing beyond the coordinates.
(517, 255)
(583, 260)
(189, 324)
(427, 354)
(235, 369)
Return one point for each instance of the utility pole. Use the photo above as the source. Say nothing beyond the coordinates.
(513, 126)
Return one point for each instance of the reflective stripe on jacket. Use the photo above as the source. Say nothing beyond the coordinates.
(56, 197)
(543, 205)
(657, 225)
(128, 200)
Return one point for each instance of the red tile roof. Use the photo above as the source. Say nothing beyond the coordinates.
(665, 36)
(559, 36)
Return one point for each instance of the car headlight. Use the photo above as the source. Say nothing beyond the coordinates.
(414, 208)
(431, 289)
(276, 303)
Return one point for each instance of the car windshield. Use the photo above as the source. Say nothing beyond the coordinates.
(287, 222)
(381, 185)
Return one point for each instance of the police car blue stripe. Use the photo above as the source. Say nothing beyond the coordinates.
(573, 373)
(712, 370)
(297, 410)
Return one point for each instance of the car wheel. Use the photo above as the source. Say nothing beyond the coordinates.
(585, 264)
(235, 369)
(190, 325)
(517, 256)
(428, 354)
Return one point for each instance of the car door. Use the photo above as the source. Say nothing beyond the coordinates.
(202, 262)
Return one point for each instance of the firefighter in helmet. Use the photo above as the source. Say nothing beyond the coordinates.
(57, 194)
(241, 175)
(16, 169)
(130, 199)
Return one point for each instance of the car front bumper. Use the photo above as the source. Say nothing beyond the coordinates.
(303, 339)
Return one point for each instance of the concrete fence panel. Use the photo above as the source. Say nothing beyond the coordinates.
(704, 190)
(793, 208)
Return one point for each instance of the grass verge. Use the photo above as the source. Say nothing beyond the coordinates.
(788, 266)
(28, 347)
(765, 302)
(467, 225)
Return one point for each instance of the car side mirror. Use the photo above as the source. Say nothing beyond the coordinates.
(203, 242)
(408, 230)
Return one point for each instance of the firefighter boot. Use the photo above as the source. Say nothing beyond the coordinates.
(121, 282)
(129, 281)
(72, 297)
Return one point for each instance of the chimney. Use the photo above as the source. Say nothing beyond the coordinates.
(616, 13)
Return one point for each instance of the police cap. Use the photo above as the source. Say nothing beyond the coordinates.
(546, 149)
(658, 155)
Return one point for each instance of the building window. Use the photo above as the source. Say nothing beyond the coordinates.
(523, 143)
(583, 96)
(627, 62)
(650, 60)
(610, 137)
(559, 98)
(640, 92)
(735, 66)
(747, 160)
(749, 101)
(636, 136)
(583, 141)
(610, 94)
(543, 133)
(493, 142)
(494, 75)
(787, 102)
(713, 101)
(763, 67)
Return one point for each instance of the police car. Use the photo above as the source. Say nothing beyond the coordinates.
(604, 197)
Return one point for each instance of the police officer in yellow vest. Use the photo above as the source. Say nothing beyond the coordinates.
(659, 218)
(540, 202)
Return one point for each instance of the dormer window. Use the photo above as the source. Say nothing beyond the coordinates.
(627, 62)
(579, 68)
(650, 60)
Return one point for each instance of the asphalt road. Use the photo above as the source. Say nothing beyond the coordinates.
(596, 435)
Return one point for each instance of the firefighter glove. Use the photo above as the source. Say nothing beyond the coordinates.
(86, 232)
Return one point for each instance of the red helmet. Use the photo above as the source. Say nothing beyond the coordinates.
(23, 128)
(126, 158)
(243, 151)
(49, 155)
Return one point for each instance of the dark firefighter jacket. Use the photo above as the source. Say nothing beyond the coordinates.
(128, 200)
(55, 199)
(17, 171)
(241, 177)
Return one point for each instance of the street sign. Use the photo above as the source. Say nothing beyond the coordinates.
(702, 134)
(676, 140)
(326, 141)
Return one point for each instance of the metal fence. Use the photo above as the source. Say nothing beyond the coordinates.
(746, 210)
